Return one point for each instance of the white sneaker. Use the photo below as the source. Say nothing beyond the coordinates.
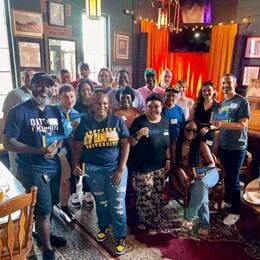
(223, 205)
(231, 219)
(75, 200)
(88, 198)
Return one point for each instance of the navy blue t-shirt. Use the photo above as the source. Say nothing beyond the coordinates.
(28, 124)
(101, 140)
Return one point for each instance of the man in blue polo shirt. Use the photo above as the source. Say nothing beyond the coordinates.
(26, 132)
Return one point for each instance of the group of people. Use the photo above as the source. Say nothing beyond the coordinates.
(118, 139)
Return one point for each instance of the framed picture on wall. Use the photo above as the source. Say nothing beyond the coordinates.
(28, 24)
(249, 73)
(61, 53)
(29, 54)
(121, 46)
(56, 14)
(253, 47)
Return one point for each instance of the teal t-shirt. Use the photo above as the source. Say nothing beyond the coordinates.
(234, 109)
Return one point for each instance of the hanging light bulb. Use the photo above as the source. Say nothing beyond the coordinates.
(162, 18)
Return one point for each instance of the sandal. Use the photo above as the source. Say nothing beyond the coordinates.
(203, 232)
(187, 224)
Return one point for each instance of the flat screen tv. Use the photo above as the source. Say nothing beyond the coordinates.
(190, 40)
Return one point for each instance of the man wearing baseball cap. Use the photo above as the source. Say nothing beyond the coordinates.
(27, 131)
(84, 72)
(150, 87)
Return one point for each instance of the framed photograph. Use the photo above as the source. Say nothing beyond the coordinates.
(56, 14)
(121, 46)
(250, 73)
(28, 24)
(61, 53)
(29, 54)
(253, 47)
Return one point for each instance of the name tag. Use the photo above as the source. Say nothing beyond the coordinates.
(174, 121)
(208, 142)
(233, 105)
(166, 133)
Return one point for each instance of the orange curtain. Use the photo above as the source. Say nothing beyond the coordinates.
(191, 66)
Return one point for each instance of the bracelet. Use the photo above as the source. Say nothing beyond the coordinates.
(168, 160)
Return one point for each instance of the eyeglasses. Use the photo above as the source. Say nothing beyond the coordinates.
(45, 119)
(189, 130)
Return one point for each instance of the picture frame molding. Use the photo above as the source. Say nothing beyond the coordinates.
(49, 14)
(249, 55)
(123, 36)
(16, 12)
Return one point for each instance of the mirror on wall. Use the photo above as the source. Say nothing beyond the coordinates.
(62, 55)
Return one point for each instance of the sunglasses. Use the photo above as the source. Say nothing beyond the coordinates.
(45, 119)
(189, 130)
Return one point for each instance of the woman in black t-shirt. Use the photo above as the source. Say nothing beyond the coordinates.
(201, 112)
(150, 162)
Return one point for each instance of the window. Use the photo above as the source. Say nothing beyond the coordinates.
(62, 54)
(95, 44)
(5, 64)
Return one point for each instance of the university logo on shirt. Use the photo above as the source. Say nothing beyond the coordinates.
(104, 137)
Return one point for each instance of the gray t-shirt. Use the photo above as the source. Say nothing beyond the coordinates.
(15, 97)
(235, 109)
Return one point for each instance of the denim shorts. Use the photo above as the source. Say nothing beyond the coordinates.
(48, 184)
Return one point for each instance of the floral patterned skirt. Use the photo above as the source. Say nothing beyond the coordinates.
(149, 187)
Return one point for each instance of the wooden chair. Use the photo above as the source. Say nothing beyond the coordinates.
(180, 189)
(16, 235)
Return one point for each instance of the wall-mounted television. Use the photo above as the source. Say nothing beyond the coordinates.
(190, 40)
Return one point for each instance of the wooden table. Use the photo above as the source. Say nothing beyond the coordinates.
(15, 188)
(252, 186)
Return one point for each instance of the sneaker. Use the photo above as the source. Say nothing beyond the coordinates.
(141, 226)
(102, 235)
(75, 200)
(231, 219)
(223, 205)
(58, 241)
(152, 231)
(66, 214)
(120, 246)
(48, 255)
(88, 199)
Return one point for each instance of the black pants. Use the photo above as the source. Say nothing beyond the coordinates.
(232, 161)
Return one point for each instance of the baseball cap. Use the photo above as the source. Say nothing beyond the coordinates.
(42, 76)
(82, 65)
(174, 89)
(149, 71)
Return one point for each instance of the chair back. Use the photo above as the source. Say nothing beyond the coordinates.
(16, 232)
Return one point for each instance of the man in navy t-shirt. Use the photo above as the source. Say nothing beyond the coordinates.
(27, 132)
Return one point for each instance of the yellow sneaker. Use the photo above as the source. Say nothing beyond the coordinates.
(102, 235)
(120, 246)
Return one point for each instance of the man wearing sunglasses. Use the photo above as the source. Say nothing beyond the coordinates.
(232, 119)
(29, 127)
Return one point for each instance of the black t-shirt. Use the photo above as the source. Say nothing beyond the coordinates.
(149, 153)
(202, 117)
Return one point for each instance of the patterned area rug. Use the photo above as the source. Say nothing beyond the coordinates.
(241, 241)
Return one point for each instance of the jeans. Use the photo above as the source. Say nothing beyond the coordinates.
(110, 201)
(232, 161)
(199, 197)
